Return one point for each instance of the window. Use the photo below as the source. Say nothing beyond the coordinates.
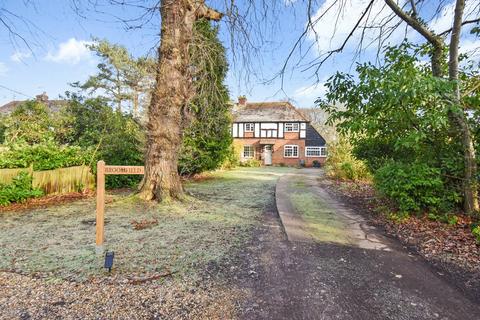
(290, 151)
(248, 151)
(249, 127)
(315, 151)
(291, 127)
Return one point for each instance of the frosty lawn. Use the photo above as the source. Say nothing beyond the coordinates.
(59, 242)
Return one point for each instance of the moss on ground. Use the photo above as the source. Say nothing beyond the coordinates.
(215, 218)
(324, 225)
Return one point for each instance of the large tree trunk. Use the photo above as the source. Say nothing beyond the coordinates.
(470, 189)
(173, 90)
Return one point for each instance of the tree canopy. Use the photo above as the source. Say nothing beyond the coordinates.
(126, 81)
(400, 113)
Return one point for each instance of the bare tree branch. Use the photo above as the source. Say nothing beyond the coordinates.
(340, 49)
(435, 40)
(463, 23)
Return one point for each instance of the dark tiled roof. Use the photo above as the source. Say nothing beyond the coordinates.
(267, 111)
(313, 138)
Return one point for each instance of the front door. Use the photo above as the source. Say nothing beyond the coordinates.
(267, 155)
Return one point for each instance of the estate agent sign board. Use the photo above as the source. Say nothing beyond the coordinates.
(102, 170)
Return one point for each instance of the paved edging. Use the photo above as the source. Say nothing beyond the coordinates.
(295, 227)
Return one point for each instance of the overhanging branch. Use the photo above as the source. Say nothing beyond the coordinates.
(205, 12)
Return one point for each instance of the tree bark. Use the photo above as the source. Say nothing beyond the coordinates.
(470, 184)
(173, 90)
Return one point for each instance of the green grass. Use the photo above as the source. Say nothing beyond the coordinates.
(324, 225)
(214, 220)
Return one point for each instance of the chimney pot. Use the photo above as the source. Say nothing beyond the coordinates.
(242, 100)
(42, 97)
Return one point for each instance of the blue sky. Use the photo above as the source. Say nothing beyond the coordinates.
(57, 55)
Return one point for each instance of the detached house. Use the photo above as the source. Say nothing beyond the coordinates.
(276, 133)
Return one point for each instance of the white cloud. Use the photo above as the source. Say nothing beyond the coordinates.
(310, 92)
(20, 56)
(472, 48)
(336, 24)
(72, 51)
(444, 21)
(3, 69)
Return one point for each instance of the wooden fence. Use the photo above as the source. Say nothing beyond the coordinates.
(56, 181)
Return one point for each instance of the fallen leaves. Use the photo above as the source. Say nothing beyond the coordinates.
(437, 240)
(143, 224)
(47, 201)
(434, 240)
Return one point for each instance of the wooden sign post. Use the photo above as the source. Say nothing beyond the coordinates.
(102, 170)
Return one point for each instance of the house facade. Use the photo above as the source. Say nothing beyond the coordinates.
(276, 133)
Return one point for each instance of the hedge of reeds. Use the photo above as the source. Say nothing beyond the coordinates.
(58, 181)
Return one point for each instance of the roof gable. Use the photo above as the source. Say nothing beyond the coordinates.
(313, 137)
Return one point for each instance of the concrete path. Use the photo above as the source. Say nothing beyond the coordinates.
(334, 266)
(340, 220)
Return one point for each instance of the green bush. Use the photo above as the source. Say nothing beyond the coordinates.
(46, 155)
(19, 190)
(251, 163)
(124, 146)
(445, 218)
(400, 112)
(341, 164)
(413, 187)
(232, 159)
(3, 129)
(476, 233)
(117, 138)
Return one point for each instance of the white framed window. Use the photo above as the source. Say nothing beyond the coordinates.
(290, 151)
(248, 151)
(315, 152)
(249, 127)
(291, 127)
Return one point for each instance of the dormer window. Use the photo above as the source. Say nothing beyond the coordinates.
(291, 127)
(249, 127)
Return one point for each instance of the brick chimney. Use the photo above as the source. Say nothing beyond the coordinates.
(42, 97)
(242, 100)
